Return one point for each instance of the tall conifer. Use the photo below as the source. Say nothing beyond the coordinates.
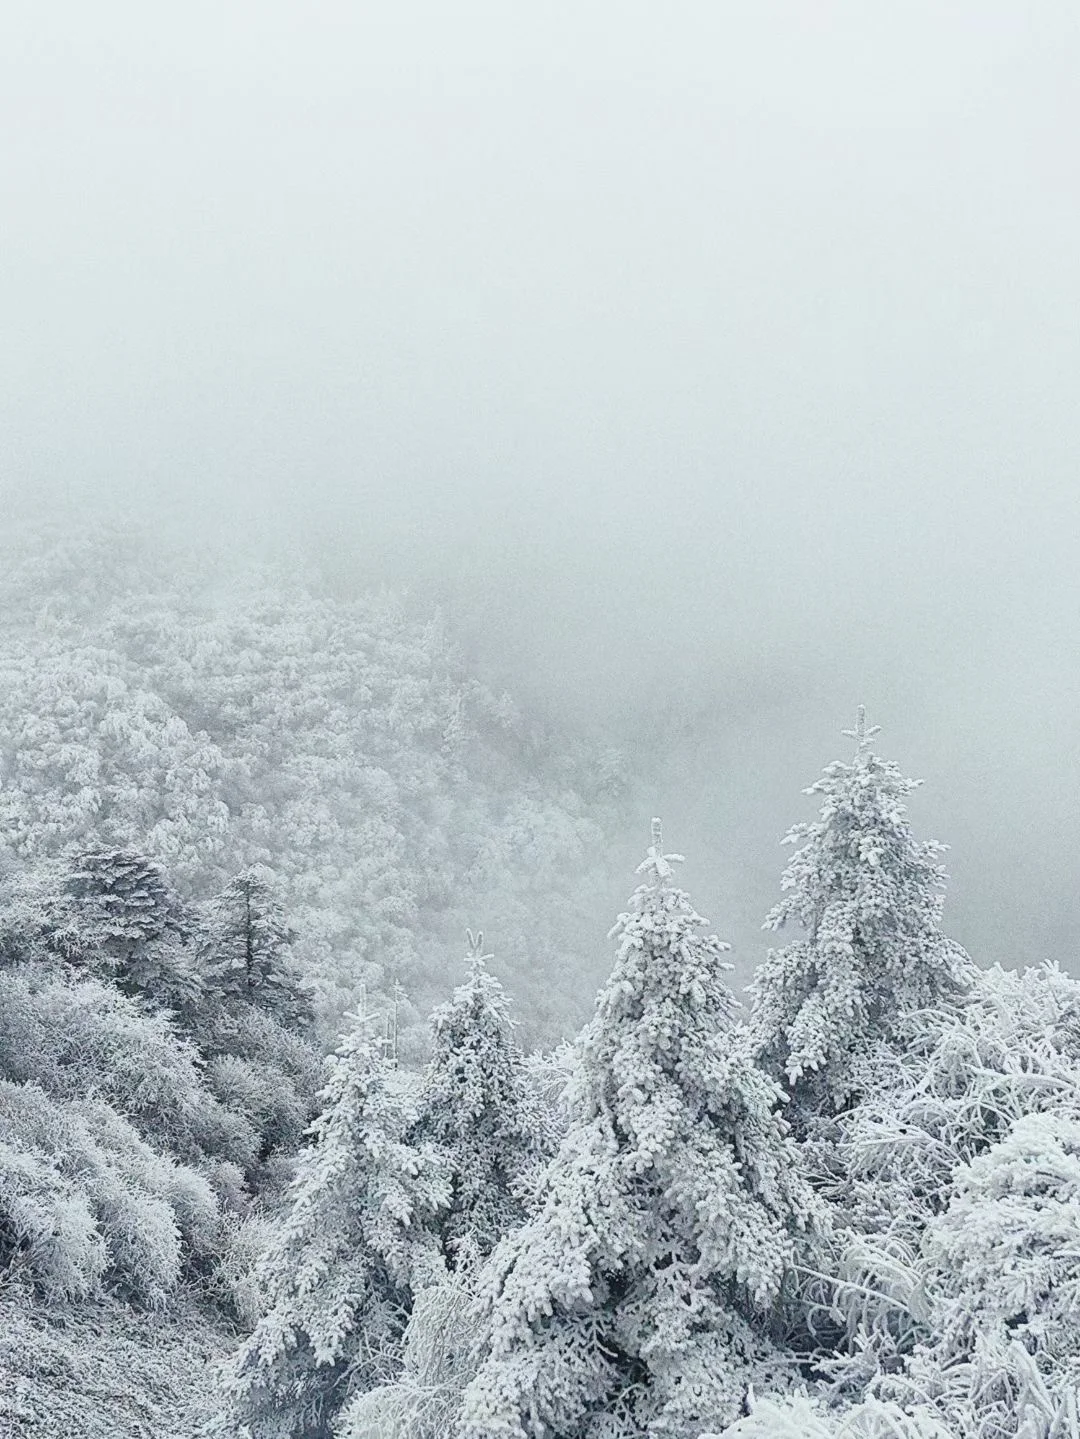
(869, 896)
(117, 913)
(245, 949)
(630, 1303)
(357, 1238)
(480, 1111)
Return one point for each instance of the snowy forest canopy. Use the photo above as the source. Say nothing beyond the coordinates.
(215, 715)
(289, 1169)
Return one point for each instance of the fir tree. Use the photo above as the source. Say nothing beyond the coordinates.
(356, 1240)
(870, 899)
(131, 898)
(245, 949)
(630, 1303)
(478, 1108)
(117, 913)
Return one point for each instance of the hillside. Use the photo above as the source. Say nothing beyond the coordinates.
(196, 758)
(245, 820)
(215, 717)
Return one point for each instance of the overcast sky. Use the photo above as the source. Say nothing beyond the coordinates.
(723, 352)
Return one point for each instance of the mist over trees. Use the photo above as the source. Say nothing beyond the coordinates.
(435, 440)
(229, 716)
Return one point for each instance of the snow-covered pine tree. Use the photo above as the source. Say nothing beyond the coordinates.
(870, 899)
(131, 899)
(630, 1303)
(118, 913)
(481, 1112)
(357, 1238)
(245, 949)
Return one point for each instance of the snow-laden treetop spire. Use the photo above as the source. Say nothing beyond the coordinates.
(863, 733)
(658, 867)
(362, 1017)
(869, 897)
(475, 958)
(359, 1026)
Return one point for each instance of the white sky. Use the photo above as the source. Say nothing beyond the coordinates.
(724, 351)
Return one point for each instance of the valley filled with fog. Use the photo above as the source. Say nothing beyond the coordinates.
(472, 482)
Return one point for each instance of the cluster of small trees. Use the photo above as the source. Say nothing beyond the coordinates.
(156, 1073)
(855, 1212)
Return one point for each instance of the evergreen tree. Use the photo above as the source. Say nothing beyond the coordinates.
(630, 1303)
(870, 899)
(131, 898)
(245, 949)
(357, 1238)
(118, 913)
(478, 1108)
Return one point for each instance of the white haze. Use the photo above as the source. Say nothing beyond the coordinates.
(712, 360)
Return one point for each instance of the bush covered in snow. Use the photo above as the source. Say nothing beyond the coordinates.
(84, 1201)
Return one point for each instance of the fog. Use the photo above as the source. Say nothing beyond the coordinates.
(709, 361)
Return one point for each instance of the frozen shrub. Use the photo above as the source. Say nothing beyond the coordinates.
(229, 1184)
(440, 1353)
(952, 1280)
(1004, 1285)
(49, 1236)
(248, 1032)
(142, 1238)
(188, 1193)
(264, 1096)
(74, 1036)
(107, 1160)
(149, 1216)
(233, 1282)
(799, 1418)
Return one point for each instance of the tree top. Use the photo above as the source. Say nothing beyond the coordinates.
(658, 866)
(863, 733)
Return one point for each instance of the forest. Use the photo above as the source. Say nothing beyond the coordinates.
(310, 1127)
